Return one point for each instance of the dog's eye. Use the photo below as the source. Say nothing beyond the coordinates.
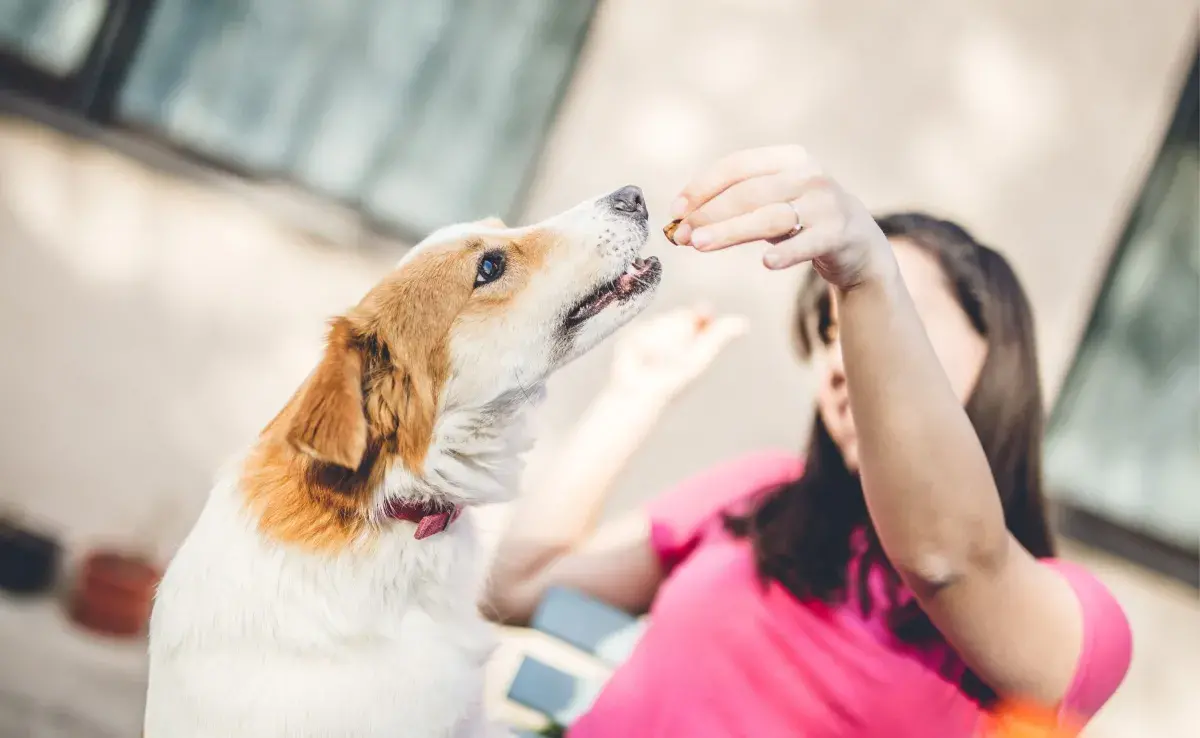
(491, 267)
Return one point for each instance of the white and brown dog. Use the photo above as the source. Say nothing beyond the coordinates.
(329, 587)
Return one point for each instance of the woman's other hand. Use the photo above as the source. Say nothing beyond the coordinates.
(553, 540)
(660, 356)
(781, 196)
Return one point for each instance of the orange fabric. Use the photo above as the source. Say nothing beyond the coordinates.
(1014, 720)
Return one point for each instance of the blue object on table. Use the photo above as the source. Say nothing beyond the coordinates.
(588, 624)
(554, 693)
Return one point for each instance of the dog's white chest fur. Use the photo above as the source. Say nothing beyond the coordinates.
(249, 638)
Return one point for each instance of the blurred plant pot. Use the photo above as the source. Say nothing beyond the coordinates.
(114, 593)
(28, 560)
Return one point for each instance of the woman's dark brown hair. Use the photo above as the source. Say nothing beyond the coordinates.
(802, 532)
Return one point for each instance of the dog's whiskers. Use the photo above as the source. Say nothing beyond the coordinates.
(523, 389)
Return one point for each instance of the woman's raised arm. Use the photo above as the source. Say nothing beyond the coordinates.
(929, 489)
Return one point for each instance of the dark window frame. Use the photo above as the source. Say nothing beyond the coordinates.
(1090, 527)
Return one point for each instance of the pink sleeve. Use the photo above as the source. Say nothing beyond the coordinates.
(679, 518)
(1107, 642)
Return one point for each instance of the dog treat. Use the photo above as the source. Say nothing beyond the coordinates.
(670, 228)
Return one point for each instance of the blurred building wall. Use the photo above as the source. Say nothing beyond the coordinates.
(151, 324)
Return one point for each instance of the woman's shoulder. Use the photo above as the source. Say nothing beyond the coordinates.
(726, 483)
(754, 469)
(1107, 647)
(680, 517)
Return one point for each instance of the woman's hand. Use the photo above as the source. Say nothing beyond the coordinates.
(780, 195)
(659, 357)
(552, 540)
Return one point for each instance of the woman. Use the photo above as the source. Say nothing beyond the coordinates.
(896, 580)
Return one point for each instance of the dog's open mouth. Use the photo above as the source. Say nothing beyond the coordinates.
(639, 276)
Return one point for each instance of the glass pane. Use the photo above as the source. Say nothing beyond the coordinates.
(355, 110)
(464, 148)
(53, 35)
(422, 113)
(228, 78)
(1126, 441)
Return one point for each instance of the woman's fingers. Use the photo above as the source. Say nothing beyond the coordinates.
(821, 216)
(767, 222)
(778, 195)
(808, 244)
(782, 197)
(723, 221)
(724, 329)
(740, 199)
(715, 337)
(736, 168)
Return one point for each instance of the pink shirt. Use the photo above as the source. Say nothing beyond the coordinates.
(724, 657)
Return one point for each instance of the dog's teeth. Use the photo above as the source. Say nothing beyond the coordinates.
(630, 269)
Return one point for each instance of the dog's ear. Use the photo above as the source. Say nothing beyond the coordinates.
(491, 222)
(329, 423)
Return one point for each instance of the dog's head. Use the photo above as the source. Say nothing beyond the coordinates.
(470, 319)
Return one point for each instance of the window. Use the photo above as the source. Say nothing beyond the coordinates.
(1124, 442)
(418, 113)
(53, 36)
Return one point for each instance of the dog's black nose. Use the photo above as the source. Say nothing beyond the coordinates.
(629, 200)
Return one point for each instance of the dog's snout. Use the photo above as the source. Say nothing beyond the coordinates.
(629, 200)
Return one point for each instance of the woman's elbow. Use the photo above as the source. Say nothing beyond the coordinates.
(516, 582)
(937, 568)
(501, 609)
(509, 602)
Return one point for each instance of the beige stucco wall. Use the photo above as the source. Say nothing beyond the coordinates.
(150, 325)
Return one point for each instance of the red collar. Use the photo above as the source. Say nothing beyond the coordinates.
(431, 517)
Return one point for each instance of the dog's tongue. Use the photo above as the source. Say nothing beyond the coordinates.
(625, 283)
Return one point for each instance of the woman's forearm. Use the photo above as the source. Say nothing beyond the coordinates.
(558, 515)
(927, 482)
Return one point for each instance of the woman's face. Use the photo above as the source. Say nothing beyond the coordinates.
(960, 349)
